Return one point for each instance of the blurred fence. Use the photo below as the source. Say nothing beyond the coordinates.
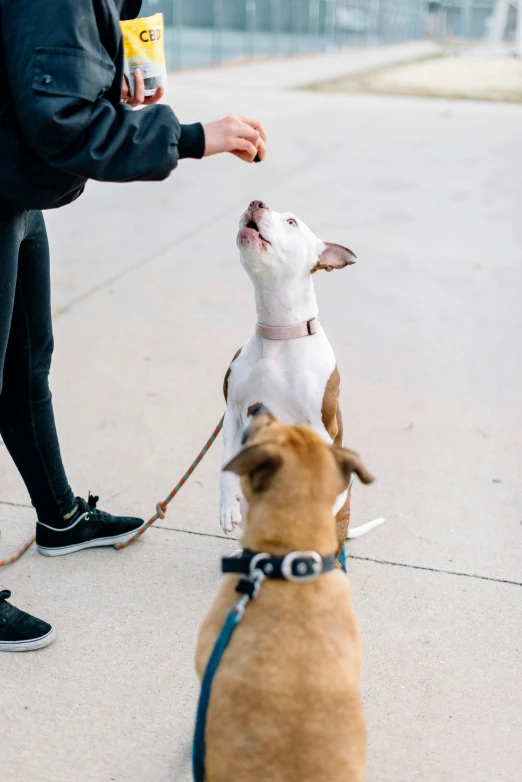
(207, 32)
(468, 19)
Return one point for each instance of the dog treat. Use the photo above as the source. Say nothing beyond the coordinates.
(144, 49)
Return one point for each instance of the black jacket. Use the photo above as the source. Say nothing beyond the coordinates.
(61, 119)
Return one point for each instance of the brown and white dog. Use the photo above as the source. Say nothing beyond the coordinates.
(285, 702)
(288, 364)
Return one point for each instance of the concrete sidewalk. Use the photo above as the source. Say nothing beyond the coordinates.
(151, 304)
(291, 72)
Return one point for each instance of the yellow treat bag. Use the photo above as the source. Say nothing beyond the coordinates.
(143, 49)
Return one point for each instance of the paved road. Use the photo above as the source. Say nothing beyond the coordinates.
(151, 304)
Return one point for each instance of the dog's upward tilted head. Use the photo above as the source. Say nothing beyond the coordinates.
(284, 245)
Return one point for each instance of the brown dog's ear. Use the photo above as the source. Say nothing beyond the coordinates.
(260, 462)
(349, 462)
(334, 256)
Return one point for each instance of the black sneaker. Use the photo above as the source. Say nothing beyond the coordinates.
(88, 528)
(21, 632)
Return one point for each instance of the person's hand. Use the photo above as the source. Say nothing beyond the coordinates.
(139, 99)
(241, 136)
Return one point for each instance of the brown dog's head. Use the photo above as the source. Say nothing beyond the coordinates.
(291, 479)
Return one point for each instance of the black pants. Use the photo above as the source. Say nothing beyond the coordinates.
(26, 345)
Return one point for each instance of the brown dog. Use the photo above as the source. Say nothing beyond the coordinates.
(285, 702)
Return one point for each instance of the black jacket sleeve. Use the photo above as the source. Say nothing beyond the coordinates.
(59, 73)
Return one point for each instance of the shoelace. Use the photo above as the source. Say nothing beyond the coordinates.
(101, 515)
(92, 501)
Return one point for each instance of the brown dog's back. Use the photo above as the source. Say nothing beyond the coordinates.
(285, 702)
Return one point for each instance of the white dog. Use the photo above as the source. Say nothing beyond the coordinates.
(288, 365)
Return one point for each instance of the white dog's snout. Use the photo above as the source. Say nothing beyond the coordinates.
(255, 205)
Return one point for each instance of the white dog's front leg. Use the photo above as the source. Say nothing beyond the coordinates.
(230, 489)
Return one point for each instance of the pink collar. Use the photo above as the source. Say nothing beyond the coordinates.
(305, 329)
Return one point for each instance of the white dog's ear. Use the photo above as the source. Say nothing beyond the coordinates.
(334, 256)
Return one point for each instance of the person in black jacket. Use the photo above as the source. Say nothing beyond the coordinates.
(65, 117)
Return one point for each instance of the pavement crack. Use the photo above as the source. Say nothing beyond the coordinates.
(58, 311)
(363, 559)
(434, 570)
(138, 264)
(193, 532)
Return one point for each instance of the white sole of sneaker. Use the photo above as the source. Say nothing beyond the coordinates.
(96, 543)
(27, 646)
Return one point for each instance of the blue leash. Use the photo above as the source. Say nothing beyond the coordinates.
(234, 617)
(232, 620)
(342, 558)
(198, 749)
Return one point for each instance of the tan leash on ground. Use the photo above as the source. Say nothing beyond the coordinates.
(161, 507)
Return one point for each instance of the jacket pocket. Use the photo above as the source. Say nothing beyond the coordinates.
(72, 72)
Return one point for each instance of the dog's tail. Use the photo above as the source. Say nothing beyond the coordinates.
(362, 529)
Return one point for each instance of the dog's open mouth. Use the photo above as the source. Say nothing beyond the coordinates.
(253, 225)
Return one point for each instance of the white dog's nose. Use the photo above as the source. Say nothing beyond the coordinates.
(254, 205)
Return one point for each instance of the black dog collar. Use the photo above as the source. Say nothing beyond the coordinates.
(298, 566)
